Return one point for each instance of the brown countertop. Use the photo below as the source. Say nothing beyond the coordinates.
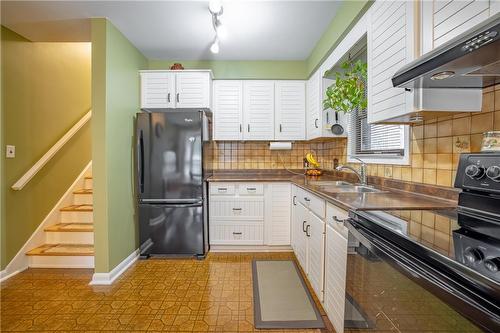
(387, 199)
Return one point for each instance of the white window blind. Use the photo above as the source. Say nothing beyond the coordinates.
(373, 139)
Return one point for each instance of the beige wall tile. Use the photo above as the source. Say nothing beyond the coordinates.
(482, 123)
(416, 175)
(418, 146)
(445, 128)
(429, 176)
(496, 122)
(417, 132)
(430, 130)
(444, 161)
(475, 142)
(461, 126)
(443, 177)
(488, 102)
(430, 145)
(444, 145)
(430, 161)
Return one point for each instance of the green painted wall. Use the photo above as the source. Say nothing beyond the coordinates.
(45, 91)
(115, 101)
(285, 70)
(346, 17)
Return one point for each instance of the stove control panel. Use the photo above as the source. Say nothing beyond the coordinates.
(480, 172)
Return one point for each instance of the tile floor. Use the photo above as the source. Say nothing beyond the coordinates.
(177, 295)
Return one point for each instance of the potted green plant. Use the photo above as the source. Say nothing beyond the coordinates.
(347, 93)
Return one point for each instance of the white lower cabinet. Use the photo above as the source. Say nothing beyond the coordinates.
(249, 213)
(335, 266)
(315, 231)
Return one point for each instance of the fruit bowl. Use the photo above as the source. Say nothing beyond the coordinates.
(314, 172)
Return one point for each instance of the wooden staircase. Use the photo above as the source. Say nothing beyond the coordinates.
(70, 242)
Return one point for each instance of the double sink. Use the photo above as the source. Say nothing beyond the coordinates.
(342, 187)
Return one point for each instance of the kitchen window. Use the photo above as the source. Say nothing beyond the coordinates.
(377, 143)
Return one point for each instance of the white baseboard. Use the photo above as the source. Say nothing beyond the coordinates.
(106, 279)
(250, 248)
(61, 262)
(20, 262)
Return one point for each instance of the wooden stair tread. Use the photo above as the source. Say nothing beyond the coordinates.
(78, 208)
(62, 250)
(70, 227)
(83, 191)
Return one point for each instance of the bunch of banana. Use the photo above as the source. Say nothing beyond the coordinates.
(312, 161)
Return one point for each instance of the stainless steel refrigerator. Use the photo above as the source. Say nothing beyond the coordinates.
(172, 164)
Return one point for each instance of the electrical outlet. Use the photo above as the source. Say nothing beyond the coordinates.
(10, 151)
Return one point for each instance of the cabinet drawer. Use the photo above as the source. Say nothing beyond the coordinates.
(236, 208)
(251, 189)
(240, 233)
(314, 203)
(222, 189)
(334, 216)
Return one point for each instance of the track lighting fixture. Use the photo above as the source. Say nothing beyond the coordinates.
(216, 10)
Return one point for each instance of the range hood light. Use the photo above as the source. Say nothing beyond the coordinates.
(442, 75)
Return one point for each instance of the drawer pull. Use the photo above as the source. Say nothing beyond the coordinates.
(304, 226)
(307, 230)
(336, 219)
(237, 208)
(251, 189)
(237, 233)
(307, 199)
(222, 189)
(293, 200)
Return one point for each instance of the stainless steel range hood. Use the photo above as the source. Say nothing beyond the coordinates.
(470, 60)
(451, 78)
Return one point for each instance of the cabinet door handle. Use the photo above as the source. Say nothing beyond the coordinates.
(336, 219)
(251, 189)
(307, 199)
(307, 230)
(237, 233)
(222, 189)
(248, 127)
(237, 208)
(327, 118)
(316, 122)
(281, 127)
(293, 200)
(240, 128)
(168, 97)
(304, 226)
(177, 97)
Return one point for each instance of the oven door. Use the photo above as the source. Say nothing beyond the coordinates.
(389, 289)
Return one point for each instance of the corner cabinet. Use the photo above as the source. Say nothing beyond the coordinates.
(390, 39)
(259, 110)
(175, 89)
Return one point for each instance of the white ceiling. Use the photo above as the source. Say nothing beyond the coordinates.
(257, 30)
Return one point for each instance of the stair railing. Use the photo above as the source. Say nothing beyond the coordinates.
(19, 185)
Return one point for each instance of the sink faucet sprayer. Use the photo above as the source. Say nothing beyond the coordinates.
(361, 173)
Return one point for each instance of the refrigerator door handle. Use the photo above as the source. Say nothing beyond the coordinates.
(140, 161)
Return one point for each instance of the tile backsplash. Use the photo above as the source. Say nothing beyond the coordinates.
(435, 148)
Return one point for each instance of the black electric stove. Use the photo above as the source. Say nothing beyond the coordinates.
(454, 253)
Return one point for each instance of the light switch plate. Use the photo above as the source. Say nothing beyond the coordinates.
(10, 151)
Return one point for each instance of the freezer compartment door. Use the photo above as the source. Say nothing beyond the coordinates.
(171, 229)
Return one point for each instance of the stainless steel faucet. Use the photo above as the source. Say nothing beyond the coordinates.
(361, 173)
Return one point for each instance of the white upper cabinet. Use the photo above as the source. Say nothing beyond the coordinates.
(157, 90)
(444, 19)
(228, 110)
(290, 97)
(175, 89)
(313, 106)
(258, 110)
(390, 38)
(192, 89)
